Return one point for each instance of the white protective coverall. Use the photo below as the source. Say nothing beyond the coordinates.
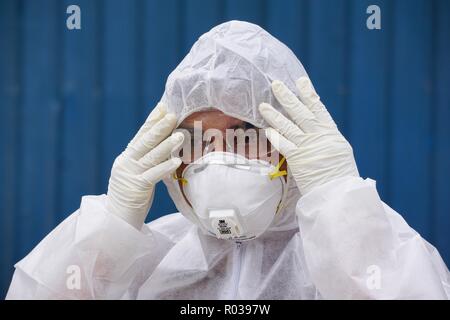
(337, 241)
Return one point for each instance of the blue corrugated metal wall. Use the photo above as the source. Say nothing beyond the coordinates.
(71, 100)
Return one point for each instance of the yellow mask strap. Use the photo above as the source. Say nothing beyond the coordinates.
(183, 180)
(277, 173)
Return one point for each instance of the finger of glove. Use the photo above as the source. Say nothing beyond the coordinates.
(280, 123)
(311, 99)
(156, 115)
(155, 174)
(283, 145)
(153, 137)
(298, 112)
(162, 151)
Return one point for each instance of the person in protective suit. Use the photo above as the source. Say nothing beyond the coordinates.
(297, 224)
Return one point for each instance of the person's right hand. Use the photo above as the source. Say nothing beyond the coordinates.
(144, 162)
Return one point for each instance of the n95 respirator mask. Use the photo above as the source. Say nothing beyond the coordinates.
(233, 197)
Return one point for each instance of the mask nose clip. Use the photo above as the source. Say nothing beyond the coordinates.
(225, 223)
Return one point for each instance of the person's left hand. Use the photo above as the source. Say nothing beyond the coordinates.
(315, 150)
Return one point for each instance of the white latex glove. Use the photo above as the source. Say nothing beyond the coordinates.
(144, 162)
(315, 150)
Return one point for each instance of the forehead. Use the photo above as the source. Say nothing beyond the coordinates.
(211, 119)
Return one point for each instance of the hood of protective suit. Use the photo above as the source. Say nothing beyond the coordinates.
(231, 68)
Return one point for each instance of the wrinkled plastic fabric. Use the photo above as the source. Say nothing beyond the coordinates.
(230, 68)
(345, 229)
(337, 241)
